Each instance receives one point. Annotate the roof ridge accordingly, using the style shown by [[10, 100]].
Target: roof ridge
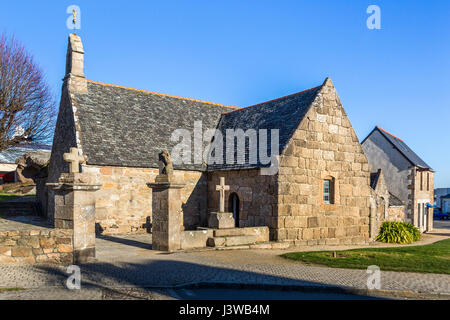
[[389, 133], [163, 94], [283, 97]]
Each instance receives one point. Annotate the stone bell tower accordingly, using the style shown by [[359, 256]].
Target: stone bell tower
[[74, 78]]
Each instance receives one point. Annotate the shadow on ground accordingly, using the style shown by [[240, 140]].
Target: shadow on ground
[[125, 241], [152, 275]]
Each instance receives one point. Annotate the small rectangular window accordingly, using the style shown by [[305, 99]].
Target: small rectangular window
[[421, 180], [428, 181], [327, 191]]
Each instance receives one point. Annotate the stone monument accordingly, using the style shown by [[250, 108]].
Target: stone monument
[[75, 206], [166, 206], [221, 219]]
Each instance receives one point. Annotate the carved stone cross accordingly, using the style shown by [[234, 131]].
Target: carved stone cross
[[74, 158], [222, 188]]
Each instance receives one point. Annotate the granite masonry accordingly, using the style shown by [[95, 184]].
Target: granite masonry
[[323, 190]]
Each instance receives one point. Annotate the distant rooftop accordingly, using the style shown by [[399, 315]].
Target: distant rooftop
[[401, 146], [11, 154]]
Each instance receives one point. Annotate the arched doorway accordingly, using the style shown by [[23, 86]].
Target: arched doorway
[[233, 206]]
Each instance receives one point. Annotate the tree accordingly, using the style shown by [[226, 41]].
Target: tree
[[27, 107]]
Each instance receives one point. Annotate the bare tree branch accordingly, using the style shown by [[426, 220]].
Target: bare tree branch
[[27, 107]]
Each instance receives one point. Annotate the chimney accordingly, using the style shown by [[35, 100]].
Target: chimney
[[74, 77]]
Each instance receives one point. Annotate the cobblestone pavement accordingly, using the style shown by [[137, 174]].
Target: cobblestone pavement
[[127, 262]]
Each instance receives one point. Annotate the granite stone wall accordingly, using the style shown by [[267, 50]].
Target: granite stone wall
[[258, 201], [324, 146], [124, 202], [36, 246], [396, 214]]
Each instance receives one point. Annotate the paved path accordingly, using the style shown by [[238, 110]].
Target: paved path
[[127, 262]]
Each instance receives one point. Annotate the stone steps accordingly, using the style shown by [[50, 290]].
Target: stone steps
[[270, 245], [230, 241], [235, 237]]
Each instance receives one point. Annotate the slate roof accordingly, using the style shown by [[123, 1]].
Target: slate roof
[[284, 114], [129, 127], [394, 201], [11, 154], [401, 146]]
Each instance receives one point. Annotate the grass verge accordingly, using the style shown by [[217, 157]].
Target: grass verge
[[431, 258]]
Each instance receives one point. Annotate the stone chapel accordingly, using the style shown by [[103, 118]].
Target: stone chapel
[[324, 191]]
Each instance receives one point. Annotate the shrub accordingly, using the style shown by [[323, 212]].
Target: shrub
[[414, 231], [398, 232]]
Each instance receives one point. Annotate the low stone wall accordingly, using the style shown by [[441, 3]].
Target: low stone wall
[[396, 214], [195, 239], [36, 246]]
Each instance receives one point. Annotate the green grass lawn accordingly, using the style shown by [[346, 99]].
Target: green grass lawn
[[432, 258]]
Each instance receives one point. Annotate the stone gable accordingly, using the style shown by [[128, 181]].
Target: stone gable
[[324, 146]]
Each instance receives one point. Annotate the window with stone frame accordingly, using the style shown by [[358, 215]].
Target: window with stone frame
[[328, 191]]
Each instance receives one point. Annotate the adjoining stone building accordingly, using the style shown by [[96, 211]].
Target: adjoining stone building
[[408, 178], [320, 194]]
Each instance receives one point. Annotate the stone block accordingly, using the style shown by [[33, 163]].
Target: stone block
[[194, 239], [20, 251], [221, 220], [313, 222], [64, 248], [6, 251], [47, 243]]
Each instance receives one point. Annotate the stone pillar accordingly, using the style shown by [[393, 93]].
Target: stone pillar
[[74, 199], [75, 65], [166, 214]]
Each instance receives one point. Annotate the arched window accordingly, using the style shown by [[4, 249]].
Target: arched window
[[233, 206]]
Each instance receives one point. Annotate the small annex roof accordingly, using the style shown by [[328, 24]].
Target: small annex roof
[[402, 147], [11, 154], [394, 201]]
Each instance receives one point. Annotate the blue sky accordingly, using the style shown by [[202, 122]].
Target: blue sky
[[248, 51]]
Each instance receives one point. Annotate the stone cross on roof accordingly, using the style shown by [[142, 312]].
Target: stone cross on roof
[[74, 158], [74, 14], [222, 188]]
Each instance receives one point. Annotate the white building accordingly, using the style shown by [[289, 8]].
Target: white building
[[438, 194]]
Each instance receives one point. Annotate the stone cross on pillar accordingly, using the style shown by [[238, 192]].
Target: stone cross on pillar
[[222, 188], [74, 158]]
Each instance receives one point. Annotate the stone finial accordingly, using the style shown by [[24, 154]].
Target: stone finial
[[165, 163], [222, 188], [75, 159], [75, 65], [165, 168]]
